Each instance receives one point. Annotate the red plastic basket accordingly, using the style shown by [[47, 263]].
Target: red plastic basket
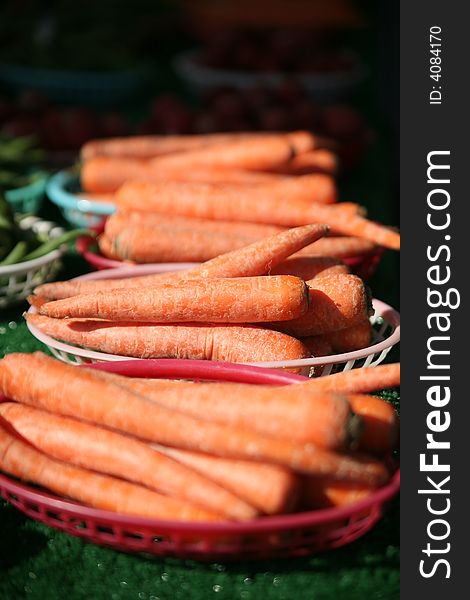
[[268, 537], [364, 266]]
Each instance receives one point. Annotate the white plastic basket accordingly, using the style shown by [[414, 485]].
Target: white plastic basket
[[385, 325], [18, 281]]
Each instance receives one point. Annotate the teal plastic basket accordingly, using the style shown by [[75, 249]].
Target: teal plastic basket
[[62, 190], [28, 198], [78, 87]]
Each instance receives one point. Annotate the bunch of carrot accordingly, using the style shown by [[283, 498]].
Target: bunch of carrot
[[231, 308], [194, 451], [232, 179]]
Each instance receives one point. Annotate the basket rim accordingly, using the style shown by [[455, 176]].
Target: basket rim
[[189, 68], [57, 192], [37, 186], [384, 310], [29, 265], [260, 524]]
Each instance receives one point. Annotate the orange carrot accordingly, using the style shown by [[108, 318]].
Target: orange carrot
[[261, 256], [317, 345], [253, 153], [359, 380], [326, 492], [236, 300], [148, 243], [345, 340], [308, 267], [107, 249], [229, 343], [335, 302], [121, 220], [83, 394], [101, 174], [380, 431], [252, 260], [110, 453], [155, 145], [142, 146], [292, 413], [245, 204], [313, 161], [338, 247], [21, 460], [270, 488]]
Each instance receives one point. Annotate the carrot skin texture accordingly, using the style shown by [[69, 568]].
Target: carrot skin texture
[[149, 146], [336, 302], [359, 381], [222, 202], [272, 489], [121, 220], [308, 267], [21, 460], [236, 300], [255, 259], [325, 492], [338, 247], [111, 453], [83, 394], [290, 413], [229, 343], [348, 339]]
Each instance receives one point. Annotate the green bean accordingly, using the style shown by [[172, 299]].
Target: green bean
[[16, 255], [55, 243]]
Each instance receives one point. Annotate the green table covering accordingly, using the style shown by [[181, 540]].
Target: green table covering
[[40, 563]]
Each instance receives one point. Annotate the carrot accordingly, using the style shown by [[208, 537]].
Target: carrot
[[120, 221], [270, 488], [242, 204], [345, 340], [352, 338], [102, 175], [155, 145], [256, 154], [308, 267], [292, 413], [105, 245], [317, 345], [326, 492], [21, 460], [85, 395], [338, 247], [312, 161], [359, 380], [380, 433], [152, 243], [236, 300], [252, 260], [229, 343], [335, 302], [261, 256], [104, 451], [142, 146]]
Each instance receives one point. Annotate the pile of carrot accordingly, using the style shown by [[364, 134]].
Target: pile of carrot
[[190, 451], [257, 303], [190, 198]]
